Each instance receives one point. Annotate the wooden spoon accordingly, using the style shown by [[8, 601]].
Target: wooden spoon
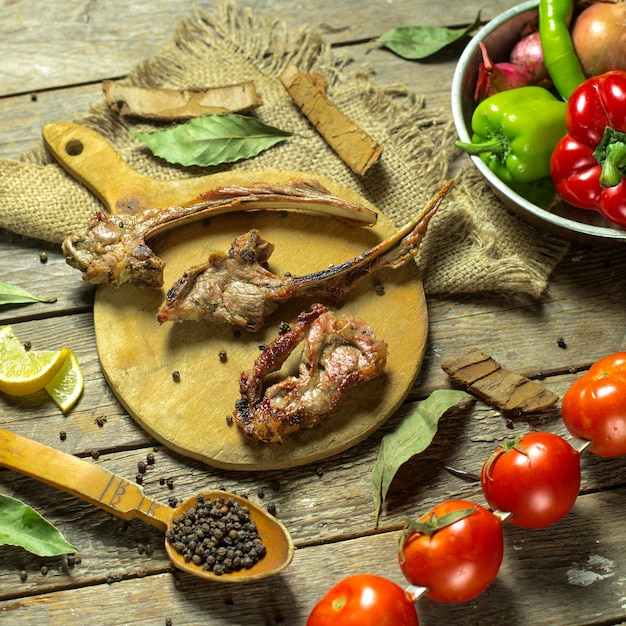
[[127, 500]]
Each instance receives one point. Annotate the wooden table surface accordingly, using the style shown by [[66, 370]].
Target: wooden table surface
[[52, 62]]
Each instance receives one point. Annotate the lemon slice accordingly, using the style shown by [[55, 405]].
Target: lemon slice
[[67, 385], [26, 372]]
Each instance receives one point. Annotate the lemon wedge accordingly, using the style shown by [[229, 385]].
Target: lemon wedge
[[23, 371], [67, 385]]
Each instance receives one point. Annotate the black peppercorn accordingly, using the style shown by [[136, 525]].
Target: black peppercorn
[[217, 535]]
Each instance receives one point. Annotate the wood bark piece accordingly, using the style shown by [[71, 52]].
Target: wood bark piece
[[180, 104], [351, 143], [501, 388]]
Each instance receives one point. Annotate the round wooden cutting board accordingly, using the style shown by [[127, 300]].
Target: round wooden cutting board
[[138, 356]]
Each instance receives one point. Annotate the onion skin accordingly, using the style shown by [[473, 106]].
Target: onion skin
[[528, 55], [496, 77], [599, 38]]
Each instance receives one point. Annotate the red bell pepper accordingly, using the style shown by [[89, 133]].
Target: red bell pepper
[[588, 166]]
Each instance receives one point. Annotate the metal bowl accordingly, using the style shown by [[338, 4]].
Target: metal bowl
[[499, 36]]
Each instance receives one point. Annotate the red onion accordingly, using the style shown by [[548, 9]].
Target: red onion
[[528, 55], [495, 77]]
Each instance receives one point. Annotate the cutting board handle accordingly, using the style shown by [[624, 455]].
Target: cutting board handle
[[90, 159]]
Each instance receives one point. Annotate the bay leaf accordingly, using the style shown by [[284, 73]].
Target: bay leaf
[[413, 435], [419, 42], [212, 139], [12, 294], [21, 525]]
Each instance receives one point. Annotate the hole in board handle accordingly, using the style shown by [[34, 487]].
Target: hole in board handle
[[74, 147]]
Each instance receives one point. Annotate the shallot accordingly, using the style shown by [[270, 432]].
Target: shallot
[[527, 54], [496, 77]]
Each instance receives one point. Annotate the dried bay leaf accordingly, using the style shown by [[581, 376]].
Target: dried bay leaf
[[212, 139], [419, 42], [413, 435], [12, 294], [20, 525]]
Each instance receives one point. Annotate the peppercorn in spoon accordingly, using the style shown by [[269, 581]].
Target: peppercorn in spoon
[[215, 535]]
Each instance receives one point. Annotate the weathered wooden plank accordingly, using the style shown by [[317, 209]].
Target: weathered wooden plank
[[556, 576], [91, 45], [570, 573], [24, 116], [335, 493]]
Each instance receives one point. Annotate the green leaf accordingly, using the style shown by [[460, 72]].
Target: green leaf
[[414, 434], [12, 294], [419, 42], [212, 139], [20, 525]]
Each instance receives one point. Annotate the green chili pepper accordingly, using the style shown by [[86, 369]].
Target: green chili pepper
[[559, 55], [515, 131]]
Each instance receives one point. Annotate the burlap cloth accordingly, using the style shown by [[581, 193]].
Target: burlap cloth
[[473, 244]]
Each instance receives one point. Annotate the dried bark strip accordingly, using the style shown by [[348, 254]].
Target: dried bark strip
[[351, 143], [501, 388], [180, 104]]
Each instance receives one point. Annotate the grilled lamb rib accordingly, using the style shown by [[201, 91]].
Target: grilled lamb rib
[[235, 287], [340, 352], [113, 249]]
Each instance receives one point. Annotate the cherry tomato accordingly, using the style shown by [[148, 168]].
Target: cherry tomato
[[455, 551], [364, 600], [536, 478], [594, 407]]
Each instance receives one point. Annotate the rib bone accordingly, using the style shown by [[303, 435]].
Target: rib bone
[[113, 249], [235, 287]]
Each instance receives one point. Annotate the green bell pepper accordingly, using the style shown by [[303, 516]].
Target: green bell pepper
[[515, 132]]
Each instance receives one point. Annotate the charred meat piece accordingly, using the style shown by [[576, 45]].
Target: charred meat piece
[[235, 287], [340, 352], [113, 249]]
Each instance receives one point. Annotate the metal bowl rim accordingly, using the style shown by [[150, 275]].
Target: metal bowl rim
[[472, 47]]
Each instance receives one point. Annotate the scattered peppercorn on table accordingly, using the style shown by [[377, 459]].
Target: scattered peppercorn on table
[[52, 64]]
